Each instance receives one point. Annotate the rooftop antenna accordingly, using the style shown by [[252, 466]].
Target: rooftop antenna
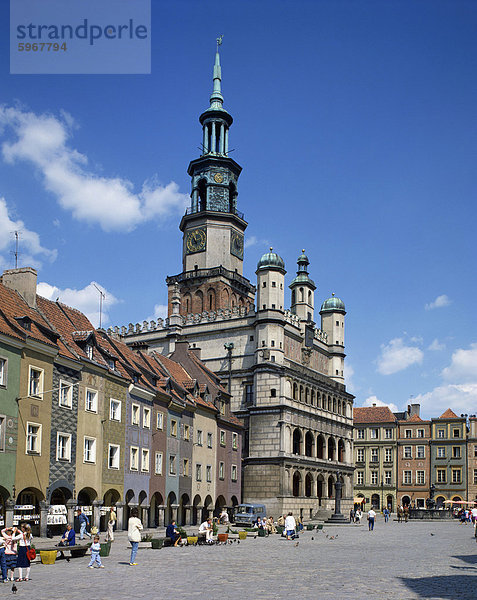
[[16, 253], [102, 296]]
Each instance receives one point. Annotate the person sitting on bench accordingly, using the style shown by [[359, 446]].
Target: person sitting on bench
[[206, 529], [68, 539], [173, 534]]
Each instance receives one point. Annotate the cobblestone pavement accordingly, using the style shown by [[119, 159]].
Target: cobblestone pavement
[[397, 561]]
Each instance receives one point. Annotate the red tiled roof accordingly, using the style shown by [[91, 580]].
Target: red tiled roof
[[449, 414], [373, 414], [415, 419]]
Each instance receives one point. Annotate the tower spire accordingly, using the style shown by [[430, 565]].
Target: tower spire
[[216, 99]]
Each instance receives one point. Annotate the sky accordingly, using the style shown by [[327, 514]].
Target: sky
[[355, 125]]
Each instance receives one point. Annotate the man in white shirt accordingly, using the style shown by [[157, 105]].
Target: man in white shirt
[[290, 526], [371, 518], [206, 527]]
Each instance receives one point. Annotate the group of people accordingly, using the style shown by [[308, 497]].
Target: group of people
[[355, 516], [14, 551], [402, 513]]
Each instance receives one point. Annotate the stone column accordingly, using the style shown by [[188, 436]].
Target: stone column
[[161, 508], [206, 136], [188, 515], [70, 511], [174, 508], [44, 506], [226, 148], [213, 138], [97, 504], [120, 516], [9, 504], [221, 139], [144, 514], [199, 508]]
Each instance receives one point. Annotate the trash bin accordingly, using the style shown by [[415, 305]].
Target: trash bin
[[105, 549], [48, 557]]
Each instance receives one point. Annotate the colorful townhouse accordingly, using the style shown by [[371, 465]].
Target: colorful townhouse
[[413, 462], [472, 459]]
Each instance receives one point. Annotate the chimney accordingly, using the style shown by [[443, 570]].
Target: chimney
[[22, 281], [180, 350], [414, 409], [195, 351], [374, 404]]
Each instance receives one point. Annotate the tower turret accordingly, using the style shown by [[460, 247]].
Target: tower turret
[[303, 288], [332, 322]]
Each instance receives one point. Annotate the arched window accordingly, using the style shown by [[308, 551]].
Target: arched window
[[302, 294], [232, 197], [334, 405], [293, 297], [320, 445], [341, 451], [199, 301], [301, 393], [308, 485], [211, 299], [309, 298], [313, 397], [187, 303], [296, 483], [225, 298], [307, 396], [331, 449], [202, 189], [296, 441], [295, 391], [318, 400], [309, 444]]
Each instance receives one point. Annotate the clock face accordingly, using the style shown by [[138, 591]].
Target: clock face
[[236, 244], [218, 178], [196, 240]]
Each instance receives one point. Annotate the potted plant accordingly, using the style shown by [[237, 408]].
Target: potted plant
[[242, 535], [222, 537], [156, 543]]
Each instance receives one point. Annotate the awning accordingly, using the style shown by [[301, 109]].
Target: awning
[[358, 500]]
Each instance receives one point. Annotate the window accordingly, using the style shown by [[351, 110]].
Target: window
[[441, 433], [420, 477], [274, 284], [91, 401], [33, 441], [134, 459], [172, 465], [407, 477], [249, 393], [66, 394], [420, 433], [234, 441], [475, 451], [441, 475], [174, 427], [209, 440], [455, 451], [359, 478], [3, 371], [114, 451], [456, 433], [421, 452], [407, 452], [387, 477], [114, 410], [185, 467], [408, 433], [186, 433], [388, 455], [89, 450], [199, 437], [374, 478], [36, 382], [208, 473], [221, 470], [360, 455], [388, 433], [234, 473], [145, 460], [222, 438], [146, 418], [456, 476], [63, 446], [135, 411], [160, 420], [89, 351], [441, 452], [475, 476], [374, 455], [360, 434], [2, 433], [374, 434], [198, 472], [158, 463]]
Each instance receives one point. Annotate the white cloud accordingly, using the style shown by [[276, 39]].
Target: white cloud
[[375, 400], [439, 302], [397, 356], [160, 312], [348, 375], [30, 249], [461, 398], [463, 367], [43, 140], [436, 345], [86, 300]]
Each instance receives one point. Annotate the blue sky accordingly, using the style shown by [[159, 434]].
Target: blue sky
[[355, 126]]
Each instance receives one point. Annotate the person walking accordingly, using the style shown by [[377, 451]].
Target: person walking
[[386, 515], [371, 518], [134, 535], [84, 523], [95, 550], [290, 526], [399, 513], [111, 521], [406, 513]]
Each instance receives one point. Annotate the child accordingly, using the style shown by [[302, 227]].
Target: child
[[95, 548], [10, 535], [24, 544]]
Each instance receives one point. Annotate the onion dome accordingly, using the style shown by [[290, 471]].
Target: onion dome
[[271, 260], [333, 304]]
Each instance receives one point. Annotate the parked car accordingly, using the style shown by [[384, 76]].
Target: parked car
[[247, 514]]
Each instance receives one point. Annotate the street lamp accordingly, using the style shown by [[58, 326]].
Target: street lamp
[[382, 494]]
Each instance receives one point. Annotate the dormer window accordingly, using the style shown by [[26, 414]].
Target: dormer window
[[112, 365], [89, 351]]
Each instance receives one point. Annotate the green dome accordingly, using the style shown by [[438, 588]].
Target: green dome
[[270, 260], [332, 304]]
